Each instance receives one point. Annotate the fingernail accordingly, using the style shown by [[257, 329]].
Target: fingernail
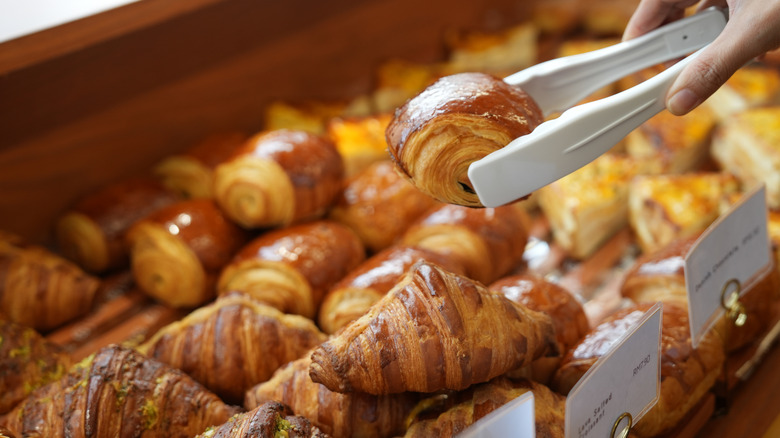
[[682, 102]]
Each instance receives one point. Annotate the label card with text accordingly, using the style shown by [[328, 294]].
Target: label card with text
[[625, 379], [516, 419], [737, 247]]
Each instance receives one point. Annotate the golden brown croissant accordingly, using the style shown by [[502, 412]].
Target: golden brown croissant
[[448, 414], [92, 232], [379, 205], [292, 268], [565, 310], [233, 344], [686, 373], [27, 361], [461, 118], [191, 174], [117, 392], [434, 330], [178, 251], [40, 289], [341, 415], [269, 420], [279, 177], [351, 297], [659, 277], [487, 242]]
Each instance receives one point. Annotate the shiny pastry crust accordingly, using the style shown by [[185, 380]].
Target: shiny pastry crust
[[92, 232], [351, 297], [446, 415], [487, 242], [664, 208], [379, 205], [177, 252], [459, 119], [341, 415], [671, 143], [659, 277], [117, 392], [434, 330], [271, 419], [38, 288], [565, 310], [279, 177], [27, 362], [191, 174], [233, 344], [748, 145], [587, 207], [292, 268], [686, 373]]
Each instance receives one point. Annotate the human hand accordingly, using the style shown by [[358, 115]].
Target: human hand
[[753, 29]]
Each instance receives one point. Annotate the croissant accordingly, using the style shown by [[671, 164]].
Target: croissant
[[178, 251], [434, 330], [271, 419], [292, 268], [340, 415], [565, 310], [351, 297], [448, 414], [435, 136], [118, 393], [379, 205], [487, 242], [92, 232], [27, 361], [686, 373], [191, 174], [659, 276], [278, 177], [40, 289], [233, 344]]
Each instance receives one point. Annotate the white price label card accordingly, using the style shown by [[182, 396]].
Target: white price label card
[[516, 419], [735, 247], [623, 381]]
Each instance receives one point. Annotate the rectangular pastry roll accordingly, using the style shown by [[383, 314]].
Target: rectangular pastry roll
[[748, 145], [587, 207], [673, 144], [752, 86], [663, 208]]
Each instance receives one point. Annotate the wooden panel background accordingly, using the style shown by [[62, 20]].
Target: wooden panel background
[[94, 114]]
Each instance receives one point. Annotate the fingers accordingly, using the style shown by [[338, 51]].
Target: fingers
[[652, 13], [746, 36]]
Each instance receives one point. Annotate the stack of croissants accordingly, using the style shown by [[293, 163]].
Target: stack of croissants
[[321, 303]]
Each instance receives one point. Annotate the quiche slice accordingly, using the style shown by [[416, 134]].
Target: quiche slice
[[664, 208], [587, 207], [751, 86], [748, 145], [673, 144]]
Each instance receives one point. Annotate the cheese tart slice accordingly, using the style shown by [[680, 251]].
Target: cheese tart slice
[[663, 208], [748, 145]]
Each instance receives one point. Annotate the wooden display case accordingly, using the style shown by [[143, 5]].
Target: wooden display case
[[104, 98]]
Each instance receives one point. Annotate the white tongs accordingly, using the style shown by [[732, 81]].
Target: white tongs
[[580, 134]]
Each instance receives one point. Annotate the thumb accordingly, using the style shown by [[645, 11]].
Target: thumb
[[733, 48]]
